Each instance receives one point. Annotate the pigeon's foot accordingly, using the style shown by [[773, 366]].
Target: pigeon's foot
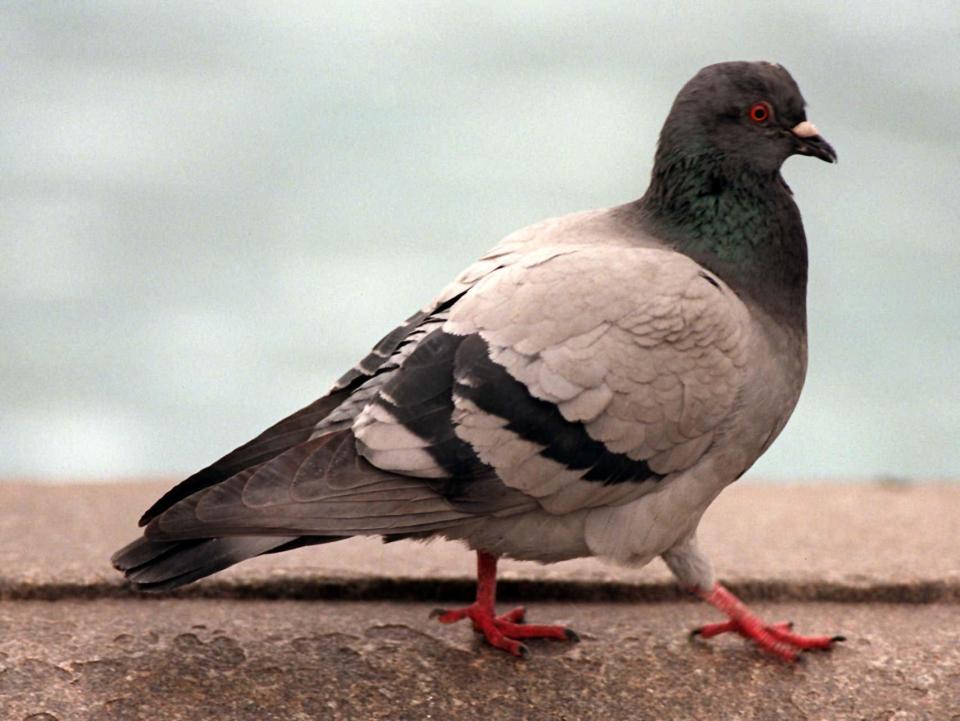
[[777, 638], [504, 631]]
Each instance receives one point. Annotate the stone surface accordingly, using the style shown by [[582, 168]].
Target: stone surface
[[91, 653], [223, 661], [856, 534]]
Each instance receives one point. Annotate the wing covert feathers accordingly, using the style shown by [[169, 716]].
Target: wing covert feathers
[[632, 343]]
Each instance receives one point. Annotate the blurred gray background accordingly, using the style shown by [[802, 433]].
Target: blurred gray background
[[210, 210]]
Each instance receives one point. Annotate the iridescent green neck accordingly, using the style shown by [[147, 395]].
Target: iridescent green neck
[[741, 225]]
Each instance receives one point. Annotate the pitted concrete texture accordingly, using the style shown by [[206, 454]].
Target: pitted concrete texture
[[856, 534], [285, 660]]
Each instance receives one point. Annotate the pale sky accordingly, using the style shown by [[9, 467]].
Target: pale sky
[[208, 211]]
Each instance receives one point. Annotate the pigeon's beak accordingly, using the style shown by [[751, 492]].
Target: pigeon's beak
[[809, 142]]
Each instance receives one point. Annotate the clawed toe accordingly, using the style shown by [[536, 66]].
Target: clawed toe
[[517, 615], [506, 630], [776, 638]]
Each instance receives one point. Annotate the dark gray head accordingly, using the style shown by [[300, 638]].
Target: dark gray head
[[749, 113]]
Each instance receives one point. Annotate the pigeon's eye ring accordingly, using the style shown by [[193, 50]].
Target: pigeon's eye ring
[[760, 112]]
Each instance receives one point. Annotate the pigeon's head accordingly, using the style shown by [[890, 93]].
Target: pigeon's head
[[749, 113]]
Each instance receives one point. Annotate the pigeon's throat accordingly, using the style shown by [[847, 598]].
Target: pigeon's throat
[[742, 225]]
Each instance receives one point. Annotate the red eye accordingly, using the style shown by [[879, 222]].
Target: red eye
[[760, 112]]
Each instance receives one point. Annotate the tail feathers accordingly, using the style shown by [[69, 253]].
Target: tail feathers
[[165, 565]]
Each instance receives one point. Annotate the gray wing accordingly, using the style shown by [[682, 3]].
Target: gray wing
[[571, 378], [325, 486], [582, 376], [320, 487], [270, 452]]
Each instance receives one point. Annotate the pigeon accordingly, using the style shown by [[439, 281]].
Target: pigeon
[[586, 388]]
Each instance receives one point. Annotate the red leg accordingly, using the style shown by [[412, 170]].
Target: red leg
[[501, 631], [776, 638]]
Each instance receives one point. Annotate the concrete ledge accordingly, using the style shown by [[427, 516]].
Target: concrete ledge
[[280, 660], [816, 542], [76, 643]]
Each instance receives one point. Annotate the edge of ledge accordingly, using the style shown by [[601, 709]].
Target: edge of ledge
[[303, 588]]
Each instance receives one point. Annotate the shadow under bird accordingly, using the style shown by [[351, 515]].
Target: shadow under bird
[[586, 388]]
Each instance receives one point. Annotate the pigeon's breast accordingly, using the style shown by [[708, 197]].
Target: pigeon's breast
[[771, 388], [636, 532]]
